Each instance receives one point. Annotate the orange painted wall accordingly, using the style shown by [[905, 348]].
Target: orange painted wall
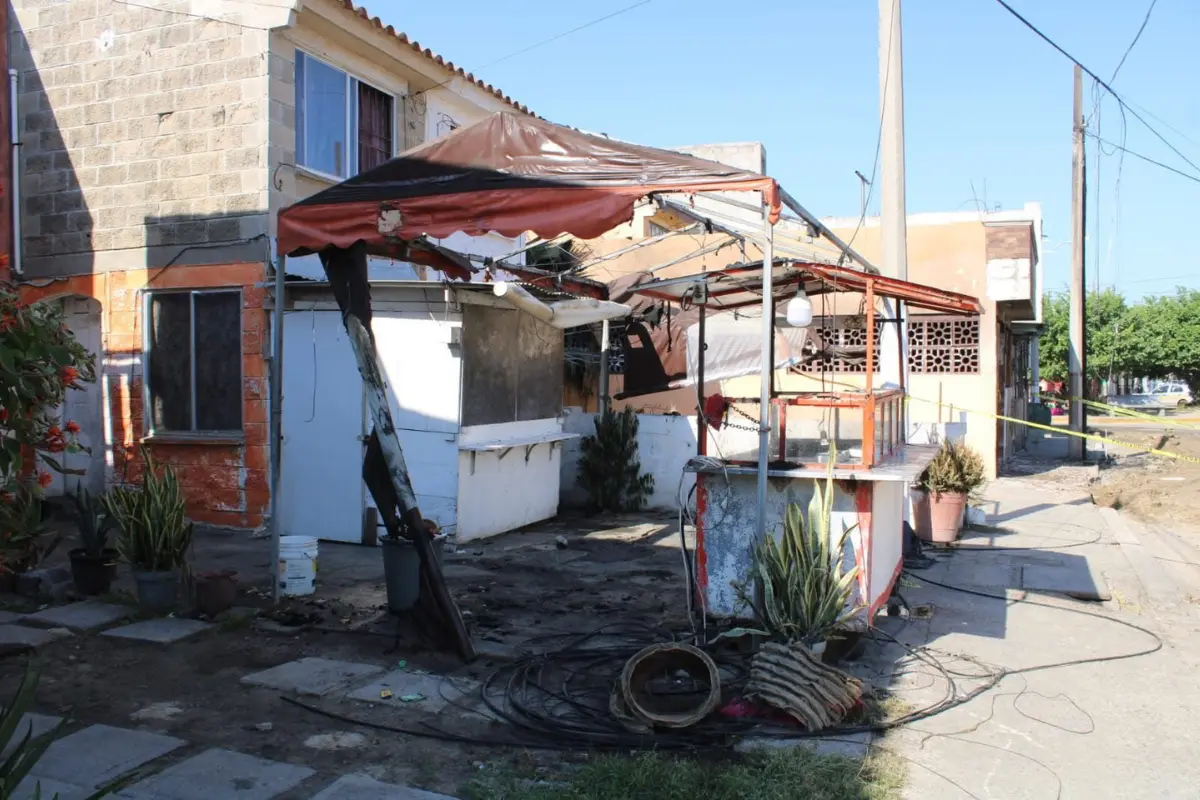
[[225, 482]]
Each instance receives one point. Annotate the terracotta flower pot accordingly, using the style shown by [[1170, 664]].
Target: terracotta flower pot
[[216, 591], [946, 515]]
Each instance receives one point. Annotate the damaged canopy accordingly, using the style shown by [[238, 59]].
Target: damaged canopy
[[507, 174]]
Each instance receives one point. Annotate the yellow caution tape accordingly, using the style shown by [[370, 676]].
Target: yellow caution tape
[[1129, 412], [1067, 432]]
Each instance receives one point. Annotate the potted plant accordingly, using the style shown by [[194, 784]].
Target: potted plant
[[215, 591], [155, 534], [94, 564], [953, 474], [805, 588]]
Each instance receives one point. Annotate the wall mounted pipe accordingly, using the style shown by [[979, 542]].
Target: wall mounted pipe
[[14, 129]]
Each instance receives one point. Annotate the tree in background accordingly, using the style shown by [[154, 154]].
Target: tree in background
[[1157, 337], [1104, 310], [1160, 337]]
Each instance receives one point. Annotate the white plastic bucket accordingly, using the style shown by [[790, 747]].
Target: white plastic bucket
[[297, 565]]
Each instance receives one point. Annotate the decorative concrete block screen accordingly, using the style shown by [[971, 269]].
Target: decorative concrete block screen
[[936, 344]]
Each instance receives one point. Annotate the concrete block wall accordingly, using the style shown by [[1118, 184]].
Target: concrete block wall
[[143, 131], [311, 34]]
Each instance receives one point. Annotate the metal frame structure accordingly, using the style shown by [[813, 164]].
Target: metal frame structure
[[737, 286]]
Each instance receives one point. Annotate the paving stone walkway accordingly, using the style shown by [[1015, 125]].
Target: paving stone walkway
[[42, 627], [80, 763]]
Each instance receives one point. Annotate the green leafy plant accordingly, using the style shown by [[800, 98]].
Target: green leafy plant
[[155, 534], [24, 752], [609, 468], [955, 469], [40, 359], [93, 521], [25, 540], [804, 586]]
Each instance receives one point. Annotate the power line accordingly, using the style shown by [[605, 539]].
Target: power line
[[1098, 79], [1136, 36], [545, 42], [1147, 159]]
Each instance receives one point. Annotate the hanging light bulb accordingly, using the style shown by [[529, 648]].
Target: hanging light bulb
[[799, 310]]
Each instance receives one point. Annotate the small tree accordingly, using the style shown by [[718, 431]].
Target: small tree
[[609, 468], [39, 361]]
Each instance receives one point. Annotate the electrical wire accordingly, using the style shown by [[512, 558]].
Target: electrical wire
[[1126, 151], [545, 42], [1120, 100], [1132, 44], [887, 75]]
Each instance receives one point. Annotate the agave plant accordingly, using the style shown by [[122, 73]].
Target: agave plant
[[26, 750], [21, 754], [93, 520], [155, 534], [805, 589]]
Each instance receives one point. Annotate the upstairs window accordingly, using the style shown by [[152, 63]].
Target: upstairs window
[[343, 126]]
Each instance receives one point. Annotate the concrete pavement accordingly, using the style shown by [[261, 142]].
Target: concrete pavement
[[1121, 726]]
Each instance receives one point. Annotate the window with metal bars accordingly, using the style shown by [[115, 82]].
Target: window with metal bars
[[193, 353]]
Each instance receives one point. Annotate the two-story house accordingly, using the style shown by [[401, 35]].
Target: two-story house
[[158, 141]]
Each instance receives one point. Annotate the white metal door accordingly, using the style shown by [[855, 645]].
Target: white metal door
[[82, 406], [422, 370], [322, 492]]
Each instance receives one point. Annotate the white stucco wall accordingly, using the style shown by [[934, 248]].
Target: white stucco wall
[[500, 491]]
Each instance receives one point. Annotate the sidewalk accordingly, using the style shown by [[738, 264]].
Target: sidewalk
[[1121, 727]]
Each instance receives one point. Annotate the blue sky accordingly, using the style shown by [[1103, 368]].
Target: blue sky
[[986, 101]]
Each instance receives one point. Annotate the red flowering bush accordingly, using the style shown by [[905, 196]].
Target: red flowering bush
[[39, 361]]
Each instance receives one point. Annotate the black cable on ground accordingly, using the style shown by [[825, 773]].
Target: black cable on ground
[[559, 700], [1158, 642]]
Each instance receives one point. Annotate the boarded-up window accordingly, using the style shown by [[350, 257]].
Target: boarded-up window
[[194, 355], [512, 367]]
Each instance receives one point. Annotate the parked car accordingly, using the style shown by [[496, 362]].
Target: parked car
[[1162, 395]]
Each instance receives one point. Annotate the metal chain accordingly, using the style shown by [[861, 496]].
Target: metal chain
[[741, 413]]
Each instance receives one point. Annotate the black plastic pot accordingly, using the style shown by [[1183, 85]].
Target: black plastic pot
[[93, 574], [402, 571], [157, 591]]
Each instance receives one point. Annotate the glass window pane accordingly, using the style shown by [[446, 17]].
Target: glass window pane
[[219, 361], [324, 118], [170, 369]]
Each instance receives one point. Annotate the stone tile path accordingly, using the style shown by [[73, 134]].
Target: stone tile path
[[79, 617], [163, 631], [78, 764], [313, 676]]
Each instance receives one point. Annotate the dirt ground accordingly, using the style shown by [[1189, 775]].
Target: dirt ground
[[1155, 489], [516, 592]]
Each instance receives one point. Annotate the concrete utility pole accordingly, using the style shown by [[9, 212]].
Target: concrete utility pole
[[892, 218], [1076, 352]]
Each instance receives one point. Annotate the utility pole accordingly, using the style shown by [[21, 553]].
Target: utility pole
[[1076, 352], [893, 217]]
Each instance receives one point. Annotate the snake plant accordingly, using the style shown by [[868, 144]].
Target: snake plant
[[804, 588], [155, 533]]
